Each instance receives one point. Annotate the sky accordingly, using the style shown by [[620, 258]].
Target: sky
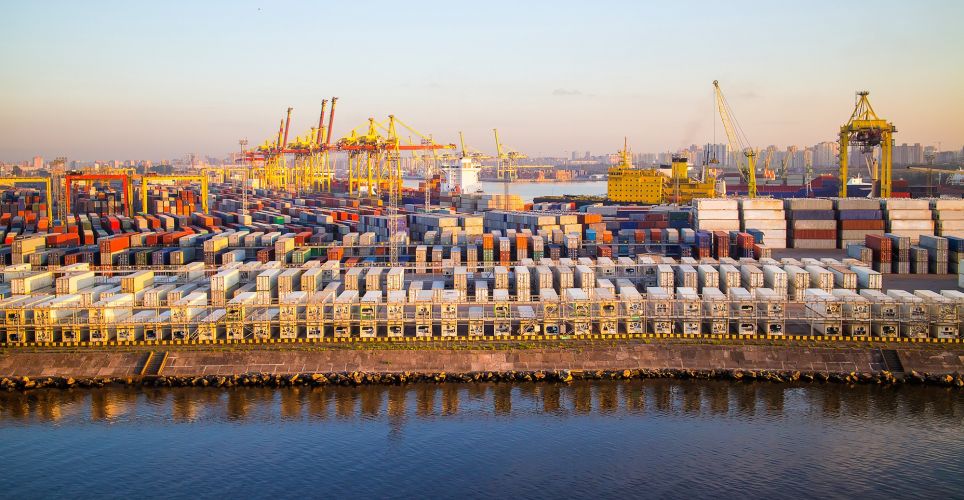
[[153, 80]]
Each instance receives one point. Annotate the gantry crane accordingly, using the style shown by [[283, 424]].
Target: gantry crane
[[365, 153], [202, 178], [430, 160], [506, 167], [382, 156], [124, 178], [48, 194], [867, 131], [311, 167], [737, 140]]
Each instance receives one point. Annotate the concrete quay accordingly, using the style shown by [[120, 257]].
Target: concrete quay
[[699, 357]]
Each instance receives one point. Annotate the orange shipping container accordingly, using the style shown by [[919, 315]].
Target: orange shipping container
[[488, 241]]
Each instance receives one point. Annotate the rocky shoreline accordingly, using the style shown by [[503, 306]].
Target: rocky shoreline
[[955, 380]]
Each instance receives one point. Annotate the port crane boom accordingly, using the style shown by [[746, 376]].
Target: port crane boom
[[506, 167], [737, 140]]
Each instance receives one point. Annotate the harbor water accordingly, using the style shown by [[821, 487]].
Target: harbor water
[[529, 190], [638, 438]]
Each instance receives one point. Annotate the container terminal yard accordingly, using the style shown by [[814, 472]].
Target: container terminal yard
[[285, 247]]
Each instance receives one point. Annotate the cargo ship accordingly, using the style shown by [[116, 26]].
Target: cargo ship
[[826, 185]]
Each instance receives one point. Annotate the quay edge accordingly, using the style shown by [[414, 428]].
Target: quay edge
[[886, 364]]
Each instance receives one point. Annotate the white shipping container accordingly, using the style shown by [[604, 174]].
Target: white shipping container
[[686, 276], [820, 278], [774, 277], [542, 275], [189, 307], [501, 277], [709, 277], [267, 281], [59, 309], [225, 280], [31, 283], [71, 283], [155, 297], [821, 304], [843, 277], [730, 277], [182, 290], [761, 204], [311, 280], [395, 278], [867, 277], [853, 306], [741, 302], [665, 277], [373, 279], [522, 281], [192, 271], [135, 282], [751, 276], [563, 277], [289, 281], [941, 308], [113, 309]]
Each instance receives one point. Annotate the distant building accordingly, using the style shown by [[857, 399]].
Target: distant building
[[718, 152], [38, 162], [908, 154], [826, 154], [945, 157]]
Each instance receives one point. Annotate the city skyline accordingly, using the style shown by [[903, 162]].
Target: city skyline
[[157, 81]]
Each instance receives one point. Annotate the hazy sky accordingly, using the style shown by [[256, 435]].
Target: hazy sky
[[133, 80]]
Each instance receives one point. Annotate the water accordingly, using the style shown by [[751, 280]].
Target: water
[[655, 438], [529, 190]]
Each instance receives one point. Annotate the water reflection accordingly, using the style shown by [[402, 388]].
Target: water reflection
[[424, 401]]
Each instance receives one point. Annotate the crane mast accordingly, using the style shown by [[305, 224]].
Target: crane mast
[[867, 131], [506, 167], [737, 140]]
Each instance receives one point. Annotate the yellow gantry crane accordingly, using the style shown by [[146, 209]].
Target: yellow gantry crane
[[202, 179], [506, 166], [48, 194], [737, 140], [867, 131]]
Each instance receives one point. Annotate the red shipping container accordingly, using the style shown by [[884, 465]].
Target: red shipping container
[[814, 234], [265, 255], [878, 242], [861, 224], [115, 244], [302, 238]]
